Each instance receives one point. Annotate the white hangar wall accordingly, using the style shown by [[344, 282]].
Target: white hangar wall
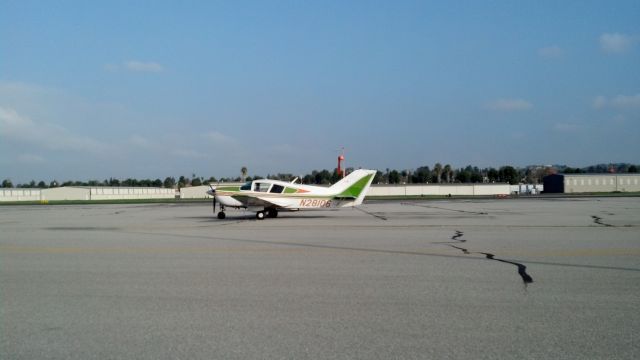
[[127, 193], [65, 193], [195, 192], [86, 193], [440, 190], [20, 194], [199, 192], [578, 183]]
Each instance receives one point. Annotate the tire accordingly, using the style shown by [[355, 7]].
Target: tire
[[260, 215], [221, 215], [272, 213]]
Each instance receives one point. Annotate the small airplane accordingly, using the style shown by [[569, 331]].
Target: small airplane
[[267, 197]]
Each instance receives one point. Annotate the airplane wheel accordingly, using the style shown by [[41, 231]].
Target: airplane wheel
[[221, 215], [272, 213], [260, 215]]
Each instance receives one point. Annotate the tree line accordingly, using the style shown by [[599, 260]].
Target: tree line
[[438, 174], [620, 168]]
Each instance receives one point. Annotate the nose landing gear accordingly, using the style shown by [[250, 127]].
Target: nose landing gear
[[221, 214]]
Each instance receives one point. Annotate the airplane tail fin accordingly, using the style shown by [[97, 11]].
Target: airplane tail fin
[[354, 187]]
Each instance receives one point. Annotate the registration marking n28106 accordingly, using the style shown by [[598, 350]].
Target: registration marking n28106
[[318, 203]]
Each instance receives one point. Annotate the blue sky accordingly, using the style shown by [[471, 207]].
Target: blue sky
[[93, 90]]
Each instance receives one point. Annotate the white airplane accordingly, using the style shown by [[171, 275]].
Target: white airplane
[[267, 197]]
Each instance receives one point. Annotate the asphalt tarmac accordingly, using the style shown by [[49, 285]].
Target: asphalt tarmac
[[461, 279]]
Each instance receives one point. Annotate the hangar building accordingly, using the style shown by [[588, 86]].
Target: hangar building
[[586, 183]]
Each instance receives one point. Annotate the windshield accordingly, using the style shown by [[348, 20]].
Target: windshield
[[246, 186]]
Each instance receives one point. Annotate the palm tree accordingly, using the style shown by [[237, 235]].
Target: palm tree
[[244, 173], [437, 168], [447, 172]]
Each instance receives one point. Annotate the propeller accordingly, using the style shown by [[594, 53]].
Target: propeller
[[213, 193]]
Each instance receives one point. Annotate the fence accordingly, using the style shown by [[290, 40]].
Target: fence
[[199, 192]]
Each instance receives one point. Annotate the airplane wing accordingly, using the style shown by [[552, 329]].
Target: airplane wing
[[281, 203], [260, 201]]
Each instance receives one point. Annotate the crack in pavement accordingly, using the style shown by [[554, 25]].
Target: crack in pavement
[[598, 220], [456, 239], [365, 250], [457, 236], [372, 214], [441, 208], [522, 270]]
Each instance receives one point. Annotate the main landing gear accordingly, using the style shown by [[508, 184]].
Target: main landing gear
[[272, 213], [221, 214], [260, 215]]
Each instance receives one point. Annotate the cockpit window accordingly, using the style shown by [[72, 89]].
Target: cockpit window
[[261, 187], [276, 189], [246, 186]]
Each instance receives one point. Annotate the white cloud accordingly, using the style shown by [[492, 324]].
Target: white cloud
[[9, 88], [188, 153], [599, 102], [219, 138], [617, 102], [509, 105], [140, 141], [10, 119], [551, 52], [134, 65], [30, 159], [22, 129], [626, 101], [615, 43]]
